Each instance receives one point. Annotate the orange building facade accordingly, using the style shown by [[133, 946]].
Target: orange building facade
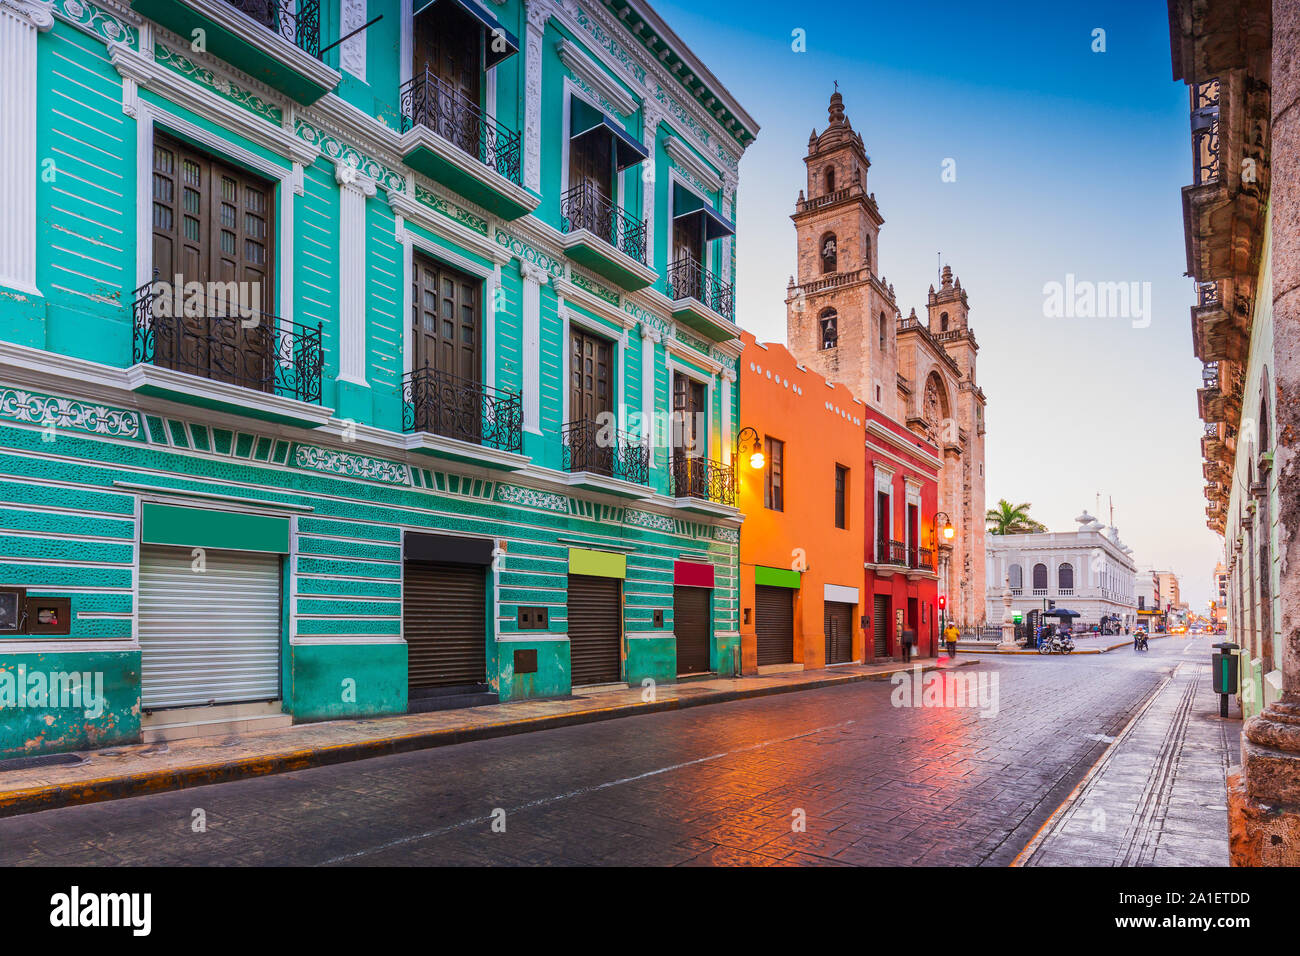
[[837, 550], [802, 543]]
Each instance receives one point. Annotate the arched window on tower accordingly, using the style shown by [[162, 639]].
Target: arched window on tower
[[828, 322], [830, 179], [866, 252], [1065, 579], [943, 321], [883, 330], [829, 253]]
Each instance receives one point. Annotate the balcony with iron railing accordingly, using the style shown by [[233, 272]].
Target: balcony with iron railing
[[597, 450], [891, 553], [701, 299], [702, 479], [437, 403], [447, 136], [604, 237], [278, 42], [208, 348], [1205, 132]]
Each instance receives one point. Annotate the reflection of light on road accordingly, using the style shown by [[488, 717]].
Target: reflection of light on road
[[582, 791]]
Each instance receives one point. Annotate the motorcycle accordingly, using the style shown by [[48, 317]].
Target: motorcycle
[[1056, 643], [1140, 641]]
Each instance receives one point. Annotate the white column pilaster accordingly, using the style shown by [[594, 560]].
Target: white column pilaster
[[354, 190], [538, 14], [652, 119], [728, 378], [533, 278], [20, 22], [649, 339]]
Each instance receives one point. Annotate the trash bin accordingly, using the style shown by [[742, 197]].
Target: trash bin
[[1226, 673]]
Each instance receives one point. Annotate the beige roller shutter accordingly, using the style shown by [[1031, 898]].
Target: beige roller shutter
[[211, 636]]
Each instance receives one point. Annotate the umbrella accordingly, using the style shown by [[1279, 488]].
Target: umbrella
[[1061, 612]]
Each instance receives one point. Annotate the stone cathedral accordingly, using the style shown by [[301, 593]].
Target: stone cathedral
[[843, 322]]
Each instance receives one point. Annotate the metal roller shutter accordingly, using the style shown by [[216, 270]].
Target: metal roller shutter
[[444, 620], [210, 636], [595, 629], [880, 621], [774, 624], [839, 632], [691, 628]]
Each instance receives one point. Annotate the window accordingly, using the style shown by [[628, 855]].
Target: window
[[830, 179], [866, 251], [1040, 577], [828, 322], [943, 321], [774, 485], [1065, 578], [841, 493], [882, 330], [1016, 575], [829, 254]]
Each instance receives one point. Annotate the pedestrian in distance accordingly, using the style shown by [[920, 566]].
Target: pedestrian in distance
[[950, 635]]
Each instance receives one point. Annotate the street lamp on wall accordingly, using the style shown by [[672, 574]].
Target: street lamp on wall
[[948, 530], [749, 436]]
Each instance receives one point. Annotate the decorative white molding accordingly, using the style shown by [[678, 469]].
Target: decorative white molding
[[533, 279], [354, 190], [20, 22], [538, 15], [594, 75], [684, 156], [352, 52]]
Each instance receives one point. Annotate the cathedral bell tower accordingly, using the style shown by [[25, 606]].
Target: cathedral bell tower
[[840, 315]]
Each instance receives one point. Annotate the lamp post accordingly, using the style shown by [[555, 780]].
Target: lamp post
[[948, 532], [748, 435]]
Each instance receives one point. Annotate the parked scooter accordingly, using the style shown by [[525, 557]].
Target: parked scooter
[[1058, 642]]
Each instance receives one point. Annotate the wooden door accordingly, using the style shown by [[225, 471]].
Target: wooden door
[[591, 372], [446, 325], [448, 45], [591, 160], [213, 223]]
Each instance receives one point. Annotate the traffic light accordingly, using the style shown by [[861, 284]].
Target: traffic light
[[943, 601]]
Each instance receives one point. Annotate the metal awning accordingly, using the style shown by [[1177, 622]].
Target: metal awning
[[587, 120], [687, 204], [499, 43]]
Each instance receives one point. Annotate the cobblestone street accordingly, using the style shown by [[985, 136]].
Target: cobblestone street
[[725, 784]]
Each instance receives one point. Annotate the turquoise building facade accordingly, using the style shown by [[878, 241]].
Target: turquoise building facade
[[350, 378]]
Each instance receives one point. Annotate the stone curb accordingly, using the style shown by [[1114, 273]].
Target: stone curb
[[54, 796]]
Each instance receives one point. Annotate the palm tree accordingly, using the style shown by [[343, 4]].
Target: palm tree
[[1007, 518]]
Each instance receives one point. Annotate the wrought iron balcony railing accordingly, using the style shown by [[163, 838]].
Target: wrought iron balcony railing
[[688, 279], [593, 447], [1205, 132], [427, 101], [924, 559], [298, 21], [891, 552], [1210, 375], [703, 478], [443, 404], [211, 335], [584, 207]]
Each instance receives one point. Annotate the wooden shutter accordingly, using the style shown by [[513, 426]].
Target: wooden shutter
[[774, 624], [592, 377], [774, 484], [446, 319], [691, 628], [880, 622], [595, 629], [444, 620]]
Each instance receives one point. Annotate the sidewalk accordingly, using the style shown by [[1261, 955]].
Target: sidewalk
[[1158, 795], [119, 772]]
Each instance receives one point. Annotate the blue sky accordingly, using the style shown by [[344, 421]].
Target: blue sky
[[1068, 162]]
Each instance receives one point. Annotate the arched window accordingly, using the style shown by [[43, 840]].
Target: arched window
[[830, 179], [1040, 577], [828, 323], [1264, 437], [829, 253], [882, 330], [866, 252], [1065, 578], [1017, 576], [943, 321]]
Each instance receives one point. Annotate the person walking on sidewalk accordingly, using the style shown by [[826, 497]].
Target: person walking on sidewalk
[[950, 634]]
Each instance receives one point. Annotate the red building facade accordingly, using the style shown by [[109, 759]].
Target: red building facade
[[904, 539]]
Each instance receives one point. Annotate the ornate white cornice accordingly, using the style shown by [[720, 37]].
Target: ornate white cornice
[[533, 273], [39, 14], [348, 178], [594, 75], [684, 156]]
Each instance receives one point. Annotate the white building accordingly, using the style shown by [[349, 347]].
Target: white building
[[1088, 570]]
